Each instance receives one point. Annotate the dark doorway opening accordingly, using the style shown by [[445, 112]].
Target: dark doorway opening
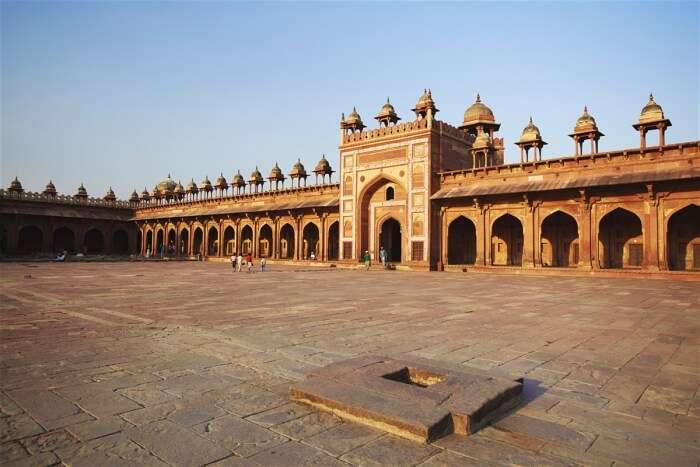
[[390, 239]]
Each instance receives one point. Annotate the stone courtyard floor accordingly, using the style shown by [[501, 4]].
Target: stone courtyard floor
[[190, 364]]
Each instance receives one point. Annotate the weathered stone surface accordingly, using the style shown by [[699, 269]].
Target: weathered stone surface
[[175, 444], [239, 436], [343, 438], [308, 425], [390, 450], [196, 329], [17, 427]]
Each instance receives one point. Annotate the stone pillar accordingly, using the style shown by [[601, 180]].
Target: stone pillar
[[442, 235], [585, 243], [321, 253], [486, 219], [662, 135], [576, 143], [528, 237], [256, 236], [651, 235], [642, 138], [238, 236], [298, 238]]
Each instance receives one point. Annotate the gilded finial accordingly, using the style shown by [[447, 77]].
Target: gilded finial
[[478, 97], [530, 119], [651, 97]]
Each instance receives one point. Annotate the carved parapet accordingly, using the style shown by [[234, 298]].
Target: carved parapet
[[30, 196], [392, 130]]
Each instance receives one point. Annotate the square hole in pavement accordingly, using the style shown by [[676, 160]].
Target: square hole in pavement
[[415, 377]]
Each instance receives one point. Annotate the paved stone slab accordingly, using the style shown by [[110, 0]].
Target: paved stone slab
[[414, 399], [616, 360]]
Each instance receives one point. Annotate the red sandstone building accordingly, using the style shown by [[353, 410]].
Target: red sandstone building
[[434, 195]]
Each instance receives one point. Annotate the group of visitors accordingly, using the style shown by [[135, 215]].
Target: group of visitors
[[383, 257], [237, 261]]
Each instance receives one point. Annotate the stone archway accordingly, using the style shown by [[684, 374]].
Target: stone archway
[[461, 241], [63, 239], [247, 240], [94, 242], [229, 241], [621, 241], [184, 242], [559, 246], [390, 238], [310, 239], [120, 242], [333, 250], [198, 241], [160, 243], [683, 239], [213, 241], [374, 205], [265, 241], [287, 242], [172, 242], [149, 243], [29, 240], [507, 241]]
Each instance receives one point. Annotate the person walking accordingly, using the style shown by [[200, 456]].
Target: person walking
[[367, 259], [239, 262], [382, 256], [263, 263], [233, 262], [249, 262]]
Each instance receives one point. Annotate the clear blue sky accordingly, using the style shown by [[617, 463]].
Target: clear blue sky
[[121, 93]]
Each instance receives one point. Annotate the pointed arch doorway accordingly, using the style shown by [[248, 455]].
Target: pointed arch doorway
[[390, 239]]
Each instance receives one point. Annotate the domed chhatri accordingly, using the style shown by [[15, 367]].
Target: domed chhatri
[[179, 190], [586, 128], [425, 104], [81, 193], [110, 196], [134, 198], [238, 182], [482, 141], [205, 185], [478, 115], [298, 172], [652, 118], [15, 186], [221, 183], [192, 187], [50, 190], [353, 122], [156, 194], [145, 195], [276, 176], [585, 122], [256, 179], [387, 114], [530, 138], [166, 187], [323, 168]]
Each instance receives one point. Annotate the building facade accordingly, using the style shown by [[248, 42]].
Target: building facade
[[435, 196]]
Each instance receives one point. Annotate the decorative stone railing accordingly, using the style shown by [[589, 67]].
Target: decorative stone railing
[[385, 131], [610, 158], [219, 196], [63, 199]]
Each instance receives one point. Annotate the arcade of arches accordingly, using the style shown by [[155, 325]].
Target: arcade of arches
[[274, 238], [614, 239], [42, 238]]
